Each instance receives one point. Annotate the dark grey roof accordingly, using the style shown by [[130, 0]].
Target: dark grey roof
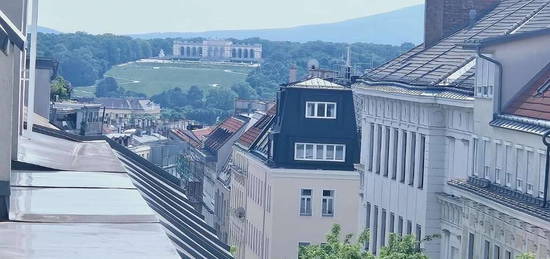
[[519, 124], [473, 44], [432, 66], [185, 226], [513, 199]]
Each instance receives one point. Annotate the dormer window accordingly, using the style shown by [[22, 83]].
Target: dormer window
[[320, 152], [321, 110]]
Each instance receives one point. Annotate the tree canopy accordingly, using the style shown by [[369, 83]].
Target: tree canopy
[[398, 247], [60, 89]]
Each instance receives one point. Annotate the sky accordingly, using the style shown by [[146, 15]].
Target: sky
[[145, 16]]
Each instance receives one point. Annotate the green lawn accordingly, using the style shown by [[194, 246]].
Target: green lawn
[[83, 91], [152, 78]]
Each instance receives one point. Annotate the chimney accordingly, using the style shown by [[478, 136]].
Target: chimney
[[445, 17], [293, 74]]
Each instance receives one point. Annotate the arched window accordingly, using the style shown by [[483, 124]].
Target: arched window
[[200, 52], [240, 53], [188, 52], [234, 53], [245, 53], [182, 51], [252, 53], [194, 52]]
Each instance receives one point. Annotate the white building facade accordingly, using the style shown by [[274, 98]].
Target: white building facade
[[217, 50], [434, 157]]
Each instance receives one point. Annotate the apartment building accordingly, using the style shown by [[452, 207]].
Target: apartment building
[[422, 114], [71, 196], [292, 172]]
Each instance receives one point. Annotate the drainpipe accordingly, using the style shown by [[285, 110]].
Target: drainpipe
[[545, 140], [497, 90]]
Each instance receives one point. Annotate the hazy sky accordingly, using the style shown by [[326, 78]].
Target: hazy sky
[[139, 16]]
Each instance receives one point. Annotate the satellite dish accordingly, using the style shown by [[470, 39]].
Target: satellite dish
[[313, 64]]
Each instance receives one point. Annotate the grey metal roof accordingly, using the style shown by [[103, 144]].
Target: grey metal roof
[[510, 198], [70, 204], [506, 122], [433, 92], [315, 83], [432, 66]]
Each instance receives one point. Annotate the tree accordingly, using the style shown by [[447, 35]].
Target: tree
[[526, 256], [244, 91], [108, 87], [60, 89], [195, 95], [221, 98], [406, 247]]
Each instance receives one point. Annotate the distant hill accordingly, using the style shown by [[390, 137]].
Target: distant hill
[[43, 29], [396, 27]]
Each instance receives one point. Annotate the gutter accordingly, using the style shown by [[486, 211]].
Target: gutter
[[498, 90]]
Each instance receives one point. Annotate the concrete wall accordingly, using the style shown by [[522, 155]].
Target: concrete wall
[[10, 67]]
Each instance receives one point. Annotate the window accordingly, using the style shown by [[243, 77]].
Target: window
[[305, 202], [328, 203], [418, 235], [413, 158], [530, 188], [404, 156], [508, 179], [422, 161], [321, 110], [392, 222], [367, 224], [383, 229], [400, 226], [508, 255], [471, 246], [496, 252], [375, 231], [519, 185], [486, 250], [409, 227], [497, 175], [301, 245], [320, 152]]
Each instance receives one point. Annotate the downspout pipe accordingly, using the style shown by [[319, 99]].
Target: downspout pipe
[[497, 90], [545, 140]]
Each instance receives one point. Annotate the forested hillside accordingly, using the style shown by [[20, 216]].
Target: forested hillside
[[84, 59]]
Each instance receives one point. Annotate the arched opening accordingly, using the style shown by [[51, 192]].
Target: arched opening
[[245, 53], [240, 53], [188, 51], [233, 53], [194, 52], [252, 53], [200, 52], [182, 51]]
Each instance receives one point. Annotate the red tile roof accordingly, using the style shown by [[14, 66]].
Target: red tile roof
[[187, 136], [250, 136], [222, 133], [534, 101]]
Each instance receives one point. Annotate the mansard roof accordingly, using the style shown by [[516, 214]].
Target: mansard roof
[[447, 65], [155, 216], [316, 83]]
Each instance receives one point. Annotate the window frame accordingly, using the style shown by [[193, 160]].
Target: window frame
[[327, 199], [306, 197], [314, 156], [316, 106]]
